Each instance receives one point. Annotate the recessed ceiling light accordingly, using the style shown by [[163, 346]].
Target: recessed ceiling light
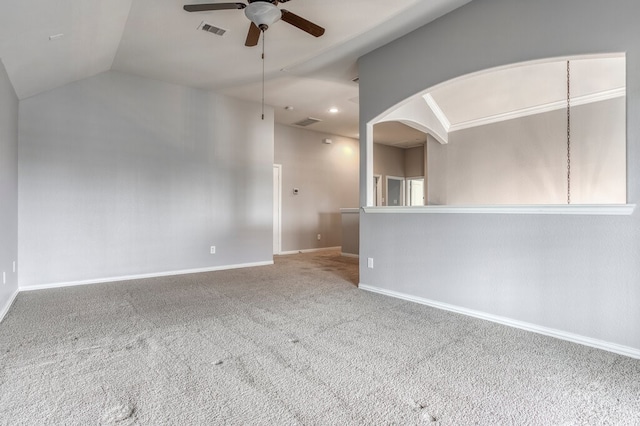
[[333, 110]]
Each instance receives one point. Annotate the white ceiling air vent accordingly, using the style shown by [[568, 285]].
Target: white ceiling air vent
[[205, 26], [307, 122]]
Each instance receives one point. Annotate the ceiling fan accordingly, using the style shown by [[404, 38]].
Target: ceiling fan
[[261, 13]]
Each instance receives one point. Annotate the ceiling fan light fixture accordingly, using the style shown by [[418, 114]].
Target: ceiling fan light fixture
[[263, 14]]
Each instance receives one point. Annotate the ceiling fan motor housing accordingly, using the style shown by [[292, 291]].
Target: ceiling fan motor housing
[[263, 13]]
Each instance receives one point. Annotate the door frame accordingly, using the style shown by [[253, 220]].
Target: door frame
[[277, 202], [407, 189], [402, 185], [378, 190]]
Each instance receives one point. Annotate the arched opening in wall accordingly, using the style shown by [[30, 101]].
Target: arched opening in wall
[[399, 164], [536, 133]]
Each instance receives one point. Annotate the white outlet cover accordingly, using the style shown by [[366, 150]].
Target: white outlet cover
[[213, 250], [370, 262]]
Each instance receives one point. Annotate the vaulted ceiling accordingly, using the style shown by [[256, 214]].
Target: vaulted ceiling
[[45, 44]]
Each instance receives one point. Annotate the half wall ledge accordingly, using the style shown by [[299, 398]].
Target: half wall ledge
[[553, 209]]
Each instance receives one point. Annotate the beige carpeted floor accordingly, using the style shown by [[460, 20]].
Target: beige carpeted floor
[[294, 343]]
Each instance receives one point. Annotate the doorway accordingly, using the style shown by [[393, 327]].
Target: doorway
[[415, 191], [395, 191], [277, 208]]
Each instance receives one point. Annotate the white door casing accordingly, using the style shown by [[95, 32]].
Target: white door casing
[[277, 209]]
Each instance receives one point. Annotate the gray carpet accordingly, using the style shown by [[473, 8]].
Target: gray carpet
[[294, 343]]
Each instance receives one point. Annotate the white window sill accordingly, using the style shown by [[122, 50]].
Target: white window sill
[[574, 209]]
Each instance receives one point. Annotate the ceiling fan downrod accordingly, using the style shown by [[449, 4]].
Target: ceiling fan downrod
[[568, 132], [263, 37]]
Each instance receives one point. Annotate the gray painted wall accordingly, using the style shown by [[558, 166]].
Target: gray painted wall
[[351, 233], [388, 160], [575, 274], [121, 176], [327, 177], [8, 187], [436, 182], [523, 161], [414, 161]]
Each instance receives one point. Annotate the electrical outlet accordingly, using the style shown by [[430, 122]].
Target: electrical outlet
[[14, 266], [370, 262], [4, 277], [319, 237], [213, 250]]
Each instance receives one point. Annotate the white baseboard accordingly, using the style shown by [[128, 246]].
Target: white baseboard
[[357, 256], [142, 276], [310, 250], [7, 306], [559, 334]]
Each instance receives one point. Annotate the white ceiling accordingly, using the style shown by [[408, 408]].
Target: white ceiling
[[158, 39], [398, 134], [92, 32]]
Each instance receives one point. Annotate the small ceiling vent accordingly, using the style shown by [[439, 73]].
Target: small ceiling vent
[[204, 26], [307, 122]]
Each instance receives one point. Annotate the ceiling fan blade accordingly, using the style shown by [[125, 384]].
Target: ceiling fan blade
[[213, 6], [303, 24], [253, 36]]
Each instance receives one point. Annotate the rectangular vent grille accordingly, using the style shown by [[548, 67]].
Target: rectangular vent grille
[[211, 29], [307, 122]]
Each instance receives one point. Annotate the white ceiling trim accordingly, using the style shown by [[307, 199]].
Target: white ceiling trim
[[538, 109], [404, 144], [437, 111]]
